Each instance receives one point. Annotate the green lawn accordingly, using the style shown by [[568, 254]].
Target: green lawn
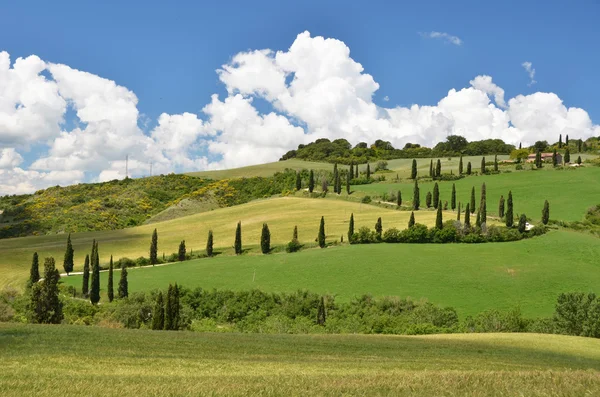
[[570, 192], [471, 278], [61, 361]]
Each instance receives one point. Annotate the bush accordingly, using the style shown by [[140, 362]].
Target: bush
[[496, 321], [125, 262], [293, 246], [416, 234], [141, 261], [392, 235], [445, 235], [366, 200], [364, 236]]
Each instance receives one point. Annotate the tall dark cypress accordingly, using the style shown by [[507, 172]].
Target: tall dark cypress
[[538, 159], [546, 213], [154, 248], [467, 216], [436, 195], [496, 163], [209, 244], [95, 283], [378, 228], [368, 171], [265, 239], [413, 170], [458, 212], [351, 172], [509, 211], [439, 224], [472, 206], [336, 176], [411, 221], [45, 304], [560, 140], [351, 228], [567, 140], [483, 170], [181, 252], [68, 261], [460, 166], [321, 315], [501, 207], [483, 204], [311, 181], [169, 305], [554, 158], [416, 197], [568, 156], [453, 198], [522, 223], [110, 292], [478, 219], [123, 290], [399, 198], [34, 272], [469, 168], [158, 314], [238, 239], [431, 168], [298, 183], [428, 200], [579, 145], [175, 309], [86, 277], [348, 179], [356, 171], [321, 236], [438, 169]]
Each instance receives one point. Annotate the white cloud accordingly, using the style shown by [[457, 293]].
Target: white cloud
[[315, 89], [530, 71], [386, 98], [448, 38]]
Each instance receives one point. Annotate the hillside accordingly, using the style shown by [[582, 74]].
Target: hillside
[[122, 362], [262, 170]]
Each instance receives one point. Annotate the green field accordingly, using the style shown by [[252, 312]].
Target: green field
[[570, 192], [263, 170], [469, 277], [74, 360], [280, 213]]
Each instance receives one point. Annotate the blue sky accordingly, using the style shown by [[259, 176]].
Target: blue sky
[[168, 54]]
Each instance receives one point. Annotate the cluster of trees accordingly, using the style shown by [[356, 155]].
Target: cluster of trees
[[166, 314]]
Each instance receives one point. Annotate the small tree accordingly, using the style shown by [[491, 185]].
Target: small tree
[[351, 228], [522, 223], [368, 171], [298, 186], [546, 213], [154, 248], [453, 198], [560, 140], [554, 158], [158, 314], [496, 163], [123, 290], [411, 221], [399, 198], [238, 239], [438, 168], [321, 236], [458, 213], [428, 200], [501, 207], [209, 244], [467, 216], [538, 159], [567, 140], [567, 156], [321, 315], [416, 200], [483, 170], [579, 145], [95, 283], [579, 160], [438, 219], [181, 251], [311, 181], [324, 185], [472, 206], [436, 195], [378, 228], [45, 306], [86, 276], [351, 171], [68, 261], [431, 168], [34, 272], [460, 166], [413, 170], [509, 210], [110, 292], [469, 168], [172, 309], [478, 219], [348, 179], [265, 239]]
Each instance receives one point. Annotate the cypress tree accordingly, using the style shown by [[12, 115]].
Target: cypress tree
[[123, 289], [501, 207], [554, 158], [411, 221], [321, 236], [478, 219], [335, 169], [45, 305], [509, 211], [175, 308], [265, 239], [298, 186], [520, 146], [453, 198], [483, 170], [110, 290], [154, 248], [428, 200], [546, 213], [335, 178], [483, 204], [351, 172], [238, 239], [86, 276], [158, 314], [321, 315], [209, 244], [399, 198], [181, 251], [560, 140], [436, 195], [413, 170], [460, 166], [445, 205], [567, 140], [472, 206], [538, 159], [496, 163], [458, 213], [348, 179], [356, 171], [339, 184], [34, 272], [378, 228], [416, 199], [579, 160], [295, 233], [431, 168], [567, 156], [522, 223], [95, 283], [351, 228], [469, 168], [68, 261], [438, 219], [467, 216], [579, 143], [311, 181], [169, 309], [368, 171], [438, 169]]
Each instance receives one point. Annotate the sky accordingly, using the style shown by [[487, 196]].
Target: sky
[[185, 86]]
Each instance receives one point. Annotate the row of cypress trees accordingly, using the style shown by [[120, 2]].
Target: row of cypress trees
[[166, 313]]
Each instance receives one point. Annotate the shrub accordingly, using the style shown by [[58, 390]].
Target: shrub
[[366, 200], [293, 246], [392, 235], [416, 234], [364, 236], [444, 235], [125, 262], [496, 321]]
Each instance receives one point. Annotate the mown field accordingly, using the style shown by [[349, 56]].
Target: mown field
[[75, 360], [263, 170], [469, 277], [281, 214]]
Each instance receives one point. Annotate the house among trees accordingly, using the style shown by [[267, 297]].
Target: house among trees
[[546, 158]]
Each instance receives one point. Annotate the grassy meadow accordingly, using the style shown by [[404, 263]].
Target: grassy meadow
[[263, 170], [469, 277], [65, 361], [281, 214]]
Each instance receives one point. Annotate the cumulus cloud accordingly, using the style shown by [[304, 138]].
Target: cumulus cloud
[[528, 66], [315, 90], [448, 38]]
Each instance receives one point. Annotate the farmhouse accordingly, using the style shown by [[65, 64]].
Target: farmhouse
[[546, 157]]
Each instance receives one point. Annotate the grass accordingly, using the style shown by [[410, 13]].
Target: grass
[[280, 213], [263, 170], [53, 361], [570, 192], [471, 278]]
